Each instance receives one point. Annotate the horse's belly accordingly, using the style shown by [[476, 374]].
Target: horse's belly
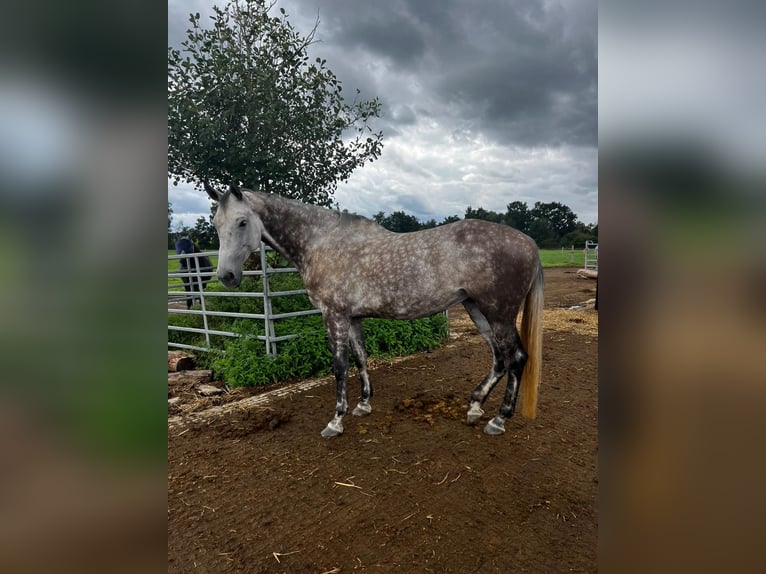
[[407, 307]]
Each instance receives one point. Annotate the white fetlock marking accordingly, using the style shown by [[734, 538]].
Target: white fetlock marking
[[495, 426], [475, 412], [362, 409], [333, 428]]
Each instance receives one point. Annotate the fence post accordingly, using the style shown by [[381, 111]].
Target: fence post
[[198, 279], [591, 255], [271, 346]]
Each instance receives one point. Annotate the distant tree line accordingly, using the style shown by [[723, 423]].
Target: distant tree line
[[550, 224]]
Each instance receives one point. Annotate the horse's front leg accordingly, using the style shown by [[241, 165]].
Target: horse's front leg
[[338, 332]]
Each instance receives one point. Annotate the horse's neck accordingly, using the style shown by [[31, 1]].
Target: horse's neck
[[292, 226]]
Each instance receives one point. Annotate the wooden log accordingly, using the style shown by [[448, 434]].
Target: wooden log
[[179, 361], [191, 377], [587, 273], [209, 390]]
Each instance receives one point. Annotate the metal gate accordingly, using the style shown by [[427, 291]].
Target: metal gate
[[199, 277]]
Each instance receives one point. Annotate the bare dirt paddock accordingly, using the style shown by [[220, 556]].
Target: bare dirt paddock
[[412, 487]]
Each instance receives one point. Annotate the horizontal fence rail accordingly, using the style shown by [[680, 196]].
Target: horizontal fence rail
[[198, 278]]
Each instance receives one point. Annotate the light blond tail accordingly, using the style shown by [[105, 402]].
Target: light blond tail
[[532, 339]]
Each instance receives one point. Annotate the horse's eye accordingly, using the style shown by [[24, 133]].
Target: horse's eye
[[242, 223]]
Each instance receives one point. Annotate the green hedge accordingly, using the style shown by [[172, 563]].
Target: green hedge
[[246, 363]]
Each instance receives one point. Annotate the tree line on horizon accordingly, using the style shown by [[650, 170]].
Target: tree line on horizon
[[550, 224]]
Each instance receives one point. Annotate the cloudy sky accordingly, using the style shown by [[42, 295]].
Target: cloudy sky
[[484, 103]]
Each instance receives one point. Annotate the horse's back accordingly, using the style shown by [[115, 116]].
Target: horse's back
[[470, 246], [373, 272], [500, 245], [494, 263]]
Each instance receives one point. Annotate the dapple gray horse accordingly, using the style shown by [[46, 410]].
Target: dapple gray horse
[[353, 268]]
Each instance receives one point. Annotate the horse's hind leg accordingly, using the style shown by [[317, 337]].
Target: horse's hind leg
[[499, 363], [338, 333], [517, 361], [356, 337]]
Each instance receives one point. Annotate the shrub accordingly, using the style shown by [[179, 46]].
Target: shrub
[[245, 361], [389, 338], [184, 337]]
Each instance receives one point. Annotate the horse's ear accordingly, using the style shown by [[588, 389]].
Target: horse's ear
[[214, 195], [235, 191]]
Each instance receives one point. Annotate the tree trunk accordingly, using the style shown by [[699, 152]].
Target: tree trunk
[[179, 361], [191, 377]]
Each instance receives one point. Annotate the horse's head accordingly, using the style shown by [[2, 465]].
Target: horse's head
[[184, 245], [239, 232]]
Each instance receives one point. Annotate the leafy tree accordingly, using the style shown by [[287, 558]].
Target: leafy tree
[[544, 235], [450, 219], [518, 216], [403, 222], [398, 221], [579, 235], [180, 231], [170, 225], [483, 214], [204, 234], [560, 217], [245, 105]]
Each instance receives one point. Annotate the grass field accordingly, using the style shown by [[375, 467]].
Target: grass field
[[565, 258]]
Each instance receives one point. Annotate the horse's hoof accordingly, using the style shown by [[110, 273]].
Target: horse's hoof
[[362, 409], [474, 414], [495, 427], [332, 429]]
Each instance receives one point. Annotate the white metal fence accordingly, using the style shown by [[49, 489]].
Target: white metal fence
[[198, 277], [591, 255]]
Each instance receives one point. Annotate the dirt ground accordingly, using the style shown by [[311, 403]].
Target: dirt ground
[[412, 487]]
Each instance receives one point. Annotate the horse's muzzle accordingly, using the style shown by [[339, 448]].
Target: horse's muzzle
[[230, 279]]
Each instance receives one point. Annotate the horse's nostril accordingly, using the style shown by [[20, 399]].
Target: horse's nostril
[[227, 277]]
